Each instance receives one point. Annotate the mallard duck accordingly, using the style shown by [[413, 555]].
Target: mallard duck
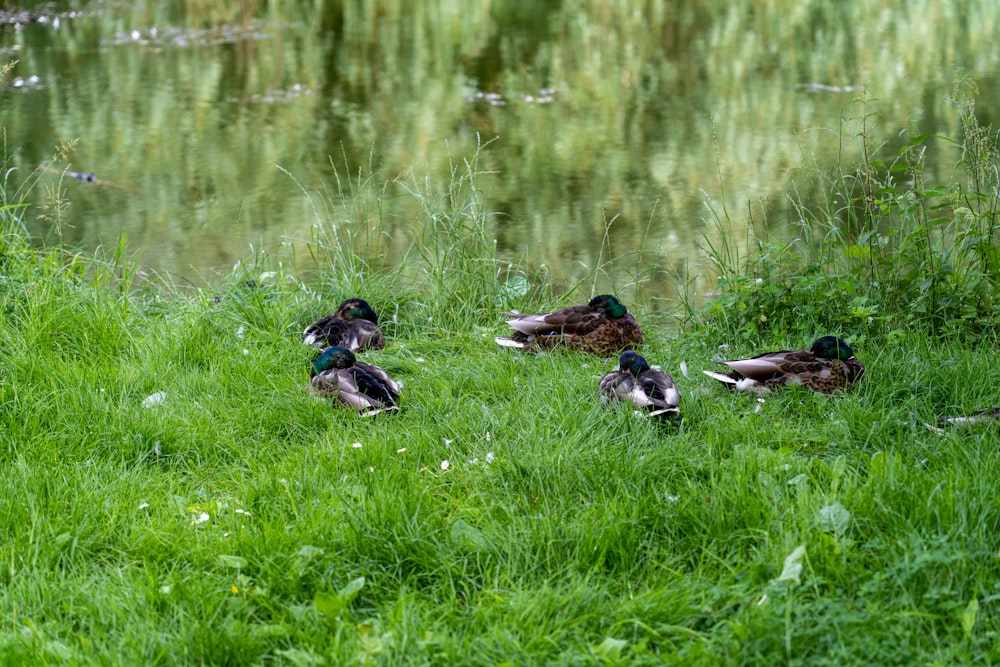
[[603, 326], [825, 367], [364, 387], [354, 326], [646, 388], [978, 418]]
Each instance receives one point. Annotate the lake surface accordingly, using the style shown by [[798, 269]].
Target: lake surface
[[612, 132]]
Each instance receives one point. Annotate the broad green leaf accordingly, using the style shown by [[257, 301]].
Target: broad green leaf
[[351, 590], [237, 562], [309, 552], [969, 617], [329, 604], [468, 537], [515, 286], [834, 518], [792, 570], [610, 649]]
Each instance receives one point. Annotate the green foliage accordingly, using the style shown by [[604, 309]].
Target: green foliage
[[886, 253]]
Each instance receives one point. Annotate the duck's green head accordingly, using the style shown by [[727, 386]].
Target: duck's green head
[[632, 362], [831, 347], [608, 305], [333, 358], [356, 309]]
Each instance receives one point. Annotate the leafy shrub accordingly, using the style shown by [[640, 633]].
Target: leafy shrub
[[885, 250]]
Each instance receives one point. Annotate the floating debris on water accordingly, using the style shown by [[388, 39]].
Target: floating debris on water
[[543, 96]]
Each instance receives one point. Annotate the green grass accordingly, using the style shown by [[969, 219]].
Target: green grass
[[243, 521]]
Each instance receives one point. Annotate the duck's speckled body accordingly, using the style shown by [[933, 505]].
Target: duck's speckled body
[[603, 326], [828, 365], [354, 326]]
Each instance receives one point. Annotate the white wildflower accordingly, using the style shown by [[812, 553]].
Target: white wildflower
[[489, 457], [445, 464]]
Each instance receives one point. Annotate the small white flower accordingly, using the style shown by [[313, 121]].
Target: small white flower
[[239, 511], [672, 499], [445, 465], [282, 480], [489, 457], [356, 445], [165, 589], [487, 436], [474, 461], [245, 352], [202, 518], [143, 506], [371, 468], [447, 442], [240, 332], [419, 360], [401, 450]]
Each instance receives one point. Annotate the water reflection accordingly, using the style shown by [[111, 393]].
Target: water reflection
[[610, 127]]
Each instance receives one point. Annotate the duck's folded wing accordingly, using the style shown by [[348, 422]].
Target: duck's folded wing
[[617, 385], [375, 382], [660, 389], [326, 332], [577, 319], [775, 364]]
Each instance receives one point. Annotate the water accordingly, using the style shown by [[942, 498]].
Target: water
[[614, 131]]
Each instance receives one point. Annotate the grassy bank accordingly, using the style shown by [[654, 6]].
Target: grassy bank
[[171, 494]]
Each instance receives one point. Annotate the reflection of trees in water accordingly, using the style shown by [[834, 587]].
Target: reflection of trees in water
[[656, 112]]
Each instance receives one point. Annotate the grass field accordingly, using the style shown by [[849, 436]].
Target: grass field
[[172, 495]]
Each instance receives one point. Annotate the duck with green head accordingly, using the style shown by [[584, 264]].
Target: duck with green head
[[647, 388], [828, 365], [354, 326], [603, 326], [365, 387]]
